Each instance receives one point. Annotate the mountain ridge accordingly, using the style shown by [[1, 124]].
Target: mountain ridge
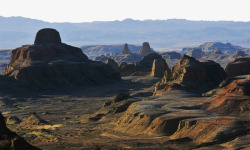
[[169, 34]]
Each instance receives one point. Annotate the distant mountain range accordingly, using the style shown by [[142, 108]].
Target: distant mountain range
[[169, 34]]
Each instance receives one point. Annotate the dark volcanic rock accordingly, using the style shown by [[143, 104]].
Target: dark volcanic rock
[[10, 140], [54, 65], [239, 66], [193, 75], [145, 49], [125, 49], [196, 53], [47, 36]]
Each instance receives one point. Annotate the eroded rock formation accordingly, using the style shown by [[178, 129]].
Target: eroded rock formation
[[50, 63], [125, 49], [158, 68], [10, 140], [196, 53], [240, 66], [240, 53], [232, 99], [216, 52], [112, 63], [192, 74], [145, 49]]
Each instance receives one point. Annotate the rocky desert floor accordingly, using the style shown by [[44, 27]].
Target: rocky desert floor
[[75, 119]]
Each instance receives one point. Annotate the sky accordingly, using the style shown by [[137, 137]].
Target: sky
[[109, 10]]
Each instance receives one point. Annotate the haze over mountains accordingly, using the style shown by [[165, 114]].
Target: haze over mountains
[[168, 34]]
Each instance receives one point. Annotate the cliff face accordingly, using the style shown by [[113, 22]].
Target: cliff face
[[50, 63]]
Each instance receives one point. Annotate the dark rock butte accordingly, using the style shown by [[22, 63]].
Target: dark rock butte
[[50, 63], [192, 74], [145, 49], [240, 66]]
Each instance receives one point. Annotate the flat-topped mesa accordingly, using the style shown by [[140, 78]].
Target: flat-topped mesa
[[145, 49], [125, 49], [47, 36], [50, 63], [192, 74]]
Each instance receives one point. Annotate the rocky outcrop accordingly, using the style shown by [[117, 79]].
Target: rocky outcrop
[[31, 120], [196, 53], [240, 66], [192, 74], [240, 53], [147, 61], [10, 140], [178, 116], [102, 58], [216, 52], [226, 48], [125, 49], [112, 63], [171, 55], [158, 68], [50, 63], [47, 36], [231, 99], [128, 58], [144, 67], [145, 49]]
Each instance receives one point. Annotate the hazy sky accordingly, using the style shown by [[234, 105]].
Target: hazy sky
[[107, 10]]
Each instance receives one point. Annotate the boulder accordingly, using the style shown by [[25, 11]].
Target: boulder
[[192, 74], [49, 63], [145, 49], [10, 140], [240, 66], [196, 53], [125, 49]]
